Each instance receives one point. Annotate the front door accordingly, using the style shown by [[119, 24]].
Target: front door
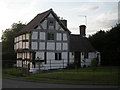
[[77, 59]]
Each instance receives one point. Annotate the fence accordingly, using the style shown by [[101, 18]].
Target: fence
[[51, 64]]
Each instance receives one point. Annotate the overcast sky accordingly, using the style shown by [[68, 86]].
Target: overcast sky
[[100, 14]]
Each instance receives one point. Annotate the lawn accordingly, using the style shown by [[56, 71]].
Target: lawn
[[99, 75]]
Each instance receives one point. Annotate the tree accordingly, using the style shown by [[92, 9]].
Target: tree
[[107, 43], [8, 54]]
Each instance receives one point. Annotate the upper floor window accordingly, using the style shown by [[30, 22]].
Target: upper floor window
[[50, 36], [51, 24]]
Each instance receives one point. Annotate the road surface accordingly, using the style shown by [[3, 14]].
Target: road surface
[[11, 83]]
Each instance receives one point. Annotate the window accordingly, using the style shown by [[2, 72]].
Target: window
[[50, 36], [57, 56], [51, 25], [85, 55]]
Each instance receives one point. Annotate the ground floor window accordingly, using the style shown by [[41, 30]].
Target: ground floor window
[[58, 56]]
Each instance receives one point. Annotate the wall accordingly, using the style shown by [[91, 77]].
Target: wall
[[40, 43]]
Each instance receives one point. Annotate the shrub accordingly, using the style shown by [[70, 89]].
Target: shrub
[[94, 62]]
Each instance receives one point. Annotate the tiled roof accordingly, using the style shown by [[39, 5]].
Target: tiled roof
[[80, 44], [33, 22]]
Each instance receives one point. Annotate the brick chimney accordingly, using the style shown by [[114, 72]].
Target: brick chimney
[[82, 30], [64, 22]]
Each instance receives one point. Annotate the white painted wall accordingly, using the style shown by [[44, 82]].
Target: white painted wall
[[58, 46], [19, 63], [27, 36], [20, 37], [20, 44], [64, 37], [40, 55], [42, 46], [38, 27], [44, 24], [34, 45], [50, 16], [91, 55], [65, 46], [23, 45], [71, 57], [27, 45], [57, 26], [50, 46], [34, 35], [17, 38], [59, 36], [23, 36], [61, 29], [42, 35], [50, 56]]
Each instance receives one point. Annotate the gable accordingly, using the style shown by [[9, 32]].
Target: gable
[[54, 22], [41, 21]]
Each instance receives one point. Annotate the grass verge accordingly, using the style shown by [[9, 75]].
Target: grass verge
[[98, 75]]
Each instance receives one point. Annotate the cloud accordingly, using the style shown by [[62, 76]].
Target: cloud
[[85, 8], [93, 8]]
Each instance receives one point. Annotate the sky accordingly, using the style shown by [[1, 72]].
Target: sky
[[95, 14]]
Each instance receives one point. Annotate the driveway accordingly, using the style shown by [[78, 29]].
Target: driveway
[[12, 83]]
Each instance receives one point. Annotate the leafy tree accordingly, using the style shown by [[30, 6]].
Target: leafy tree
[[8, 54], [108, 44]]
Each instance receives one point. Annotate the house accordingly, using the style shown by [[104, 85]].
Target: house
[[47, 39], [81, 51]]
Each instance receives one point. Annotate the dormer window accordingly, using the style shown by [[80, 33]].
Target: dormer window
[[51, 24]]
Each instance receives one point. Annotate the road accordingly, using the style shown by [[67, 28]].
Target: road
[[11, 83]]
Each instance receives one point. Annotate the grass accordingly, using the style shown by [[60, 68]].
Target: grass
[[103, 75], [100, 75]]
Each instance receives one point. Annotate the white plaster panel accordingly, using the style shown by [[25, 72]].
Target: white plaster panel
[[28, 55], [91, 55], [50, 56], [42, 35], [41, 45], [17, 39], [20, 44], [44, 24], [20, 37], [71, 57], [59, 36], [58, 46], [34, 35], [40, 55], [64, 55], [50, 15], [19, 63], [17, 45], [27, 44], [57, 25], [38, 27], [14, 46], [34, 45], [23, 45], [64, 37], [61, 29], [23, 36], [50, 46], [27, 36], [65, 46]]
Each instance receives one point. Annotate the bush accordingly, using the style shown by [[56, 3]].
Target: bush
[[94, 62]]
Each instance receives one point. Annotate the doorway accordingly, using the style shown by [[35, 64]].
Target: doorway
[[77, 59]]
